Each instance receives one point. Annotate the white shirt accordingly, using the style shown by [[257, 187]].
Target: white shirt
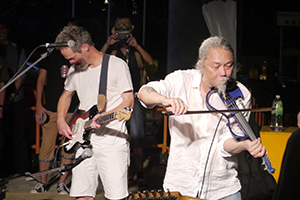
[[191, 138], [86, 84]]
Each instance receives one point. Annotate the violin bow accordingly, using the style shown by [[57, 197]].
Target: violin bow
[[266, 109]]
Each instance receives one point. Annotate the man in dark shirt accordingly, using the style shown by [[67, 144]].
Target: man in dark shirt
[[51, 84]]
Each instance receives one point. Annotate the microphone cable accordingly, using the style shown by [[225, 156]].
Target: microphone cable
[[206, 162]]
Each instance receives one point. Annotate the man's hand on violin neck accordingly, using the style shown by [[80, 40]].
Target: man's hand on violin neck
[[255, 148]]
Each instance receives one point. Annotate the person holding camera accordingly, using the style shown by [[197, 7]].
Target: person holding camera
[[122, 44]]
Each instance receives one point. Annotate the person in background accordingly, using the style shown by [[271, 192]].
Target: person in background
[[15, 115], [4, 77], [202, 161], [124, 45], [49, 85], [110, 140]]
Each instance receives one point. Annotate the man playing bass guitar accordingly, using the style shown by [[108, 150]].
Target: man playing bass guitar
[[202, 161], [110, 141]]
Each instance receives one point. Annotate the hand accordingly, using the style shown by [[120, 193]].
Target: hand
[[132, 41], [94, 123], [175, 105], [39, 114], [255, 148], [112, 39], [64, 129], [12, 96]]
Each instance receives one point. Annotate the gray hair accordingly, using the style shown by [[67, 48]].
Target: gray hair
[[78, 34], [212, 42]]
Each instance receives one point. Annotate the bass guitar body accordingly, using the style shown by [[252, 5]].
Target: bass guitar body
[[77, 127], [80, 126]]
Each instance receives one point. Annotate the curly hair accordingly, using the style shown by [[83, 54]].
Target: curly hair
[[76, 33]]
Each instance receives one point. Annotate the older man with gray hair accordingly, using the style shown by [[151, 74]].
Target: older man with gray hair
[[202, 161]]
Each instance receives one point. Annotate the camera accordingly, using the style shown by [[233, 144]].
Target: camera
[[122, 36]]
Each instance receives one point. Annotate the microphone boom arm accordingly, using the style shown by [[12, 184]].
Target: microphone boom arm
[[44, 55]]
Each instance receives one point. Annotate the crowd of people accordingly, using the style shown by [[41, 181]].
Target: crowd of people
[[202, 161]]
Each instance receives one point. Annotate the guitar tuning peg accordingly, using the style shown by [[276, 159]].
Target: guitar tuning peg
[[149, 194], [170, 196], [154, 193], [130, 196], [140, 196], [146, 192], [169, 193], [161, 192]]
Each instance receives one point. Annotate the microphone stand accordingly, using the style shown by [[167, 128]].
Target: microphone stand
[[62, 169], [44, 55], [3, 182]]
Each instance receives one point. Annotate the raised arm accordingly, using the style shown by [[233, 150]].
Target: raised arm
[[145, 55], [150, 97], [110, 41]]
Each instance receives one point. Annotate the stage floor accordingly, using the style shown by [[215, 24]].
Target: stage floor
[[153, 173]]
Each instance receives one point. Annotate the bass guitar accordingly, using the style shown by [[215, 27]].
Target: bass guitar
[[81, 127]]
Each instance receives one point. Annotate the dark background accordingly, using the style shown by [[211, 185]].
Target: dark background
[[174, 32], [34, 22]]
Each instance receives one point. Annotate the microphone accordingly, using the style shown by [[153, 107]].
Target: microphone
[[69, 44], [87, 153]]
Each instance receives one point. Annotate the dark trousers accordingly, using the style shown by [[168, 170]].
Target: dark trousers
[[288, 186], [16, 143], [1, 147]]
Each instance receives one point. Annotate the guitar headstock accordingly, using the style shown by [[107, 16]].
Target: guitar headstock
[[153, 195], [124, 114], [159, 195]]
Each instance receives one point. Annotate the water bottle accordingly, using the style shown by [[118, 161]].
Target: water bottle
[[276, 115]]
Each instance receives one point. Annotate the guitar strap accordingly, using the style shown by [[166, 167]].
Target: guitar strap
[[102, 87], [103, 83]]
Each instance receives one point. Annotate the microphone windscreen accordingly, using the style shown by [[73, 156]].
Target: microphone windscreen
[[71, 43]]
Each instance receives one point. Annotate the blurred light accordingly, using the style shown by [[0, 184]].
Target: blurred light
[[105, 1]]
